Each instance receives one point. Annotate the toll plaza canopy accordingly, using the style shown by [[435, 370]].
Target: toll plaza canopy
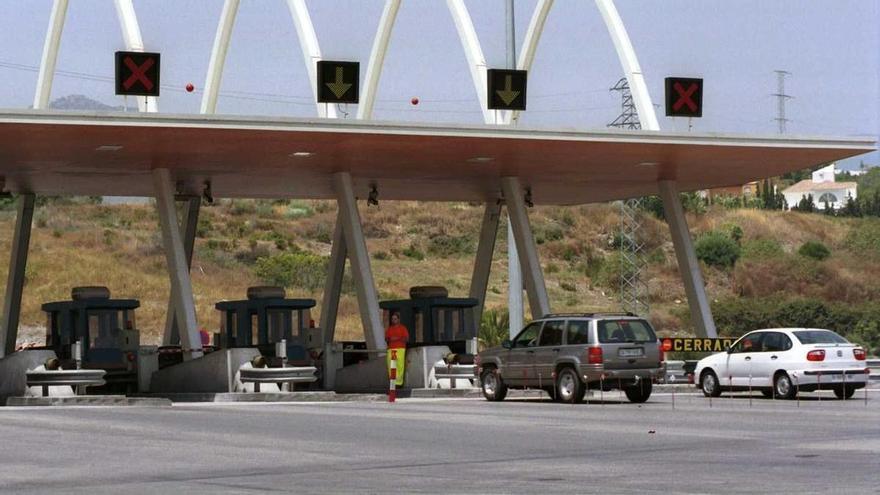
[[88, 153]]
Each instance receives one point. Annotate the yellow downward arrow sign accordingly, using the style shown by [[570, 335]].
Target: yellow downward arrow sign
[[338, 87], [507, 95]]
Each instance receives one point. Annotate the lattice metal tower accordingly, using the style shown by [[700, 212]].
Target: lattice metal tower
[[781, 97], [633, 289]]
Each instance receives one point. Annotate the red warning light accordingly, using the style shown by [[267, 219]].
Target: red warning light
[[415, 100], [190, 87]]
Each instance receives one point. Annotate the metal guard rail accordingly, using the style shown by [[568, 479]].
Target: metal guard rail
[[71, 378], [293, 374], [455, 371]]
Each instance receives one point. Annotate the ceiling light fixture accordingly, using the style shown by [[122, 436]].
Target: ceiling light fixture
[[109, 147], [481, 159], [300, 154]]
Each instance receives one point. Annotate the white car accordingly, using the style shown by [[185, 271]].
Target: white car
[[780, 362]]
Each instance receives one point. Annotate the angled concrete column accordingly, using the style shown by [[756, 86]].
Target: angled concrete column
[[483, 262], [368, 299], [15, 279], [333, 285], [188, 227], [688, 266], [514, 286], [178, 267], [539, 303]]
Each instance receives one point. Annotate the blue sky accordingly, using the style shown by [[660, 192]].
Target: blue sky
[[832, 49]]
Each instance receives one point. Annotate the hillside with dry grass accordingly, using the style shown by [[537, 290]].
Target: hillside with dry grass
[[242, 243]]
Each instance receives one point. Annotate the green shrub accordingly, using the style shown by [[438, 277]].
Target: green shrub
[[611, 271], [493, 328], [242, 207], [865, 238], [413, 252], [381, 255], [568, 286], [716, 249], [446, 246], [815, 250], [303, 270], [762, 248], [298, 209]]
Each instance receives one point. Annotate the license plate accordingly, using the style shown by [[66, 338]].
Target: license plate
[[836, 378], [630, 352]]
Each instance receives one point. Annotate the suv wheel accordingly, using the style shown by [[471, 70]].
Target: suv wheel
[[709, 384], [569, 388], [639, 392], [494, 388]]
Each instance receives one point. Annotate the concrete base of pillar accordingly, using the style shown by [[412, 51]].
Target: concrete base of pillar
[[14, 368], [213, 373]]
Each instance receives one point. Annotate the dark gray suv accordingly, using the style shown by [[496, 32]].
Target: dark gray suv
[[565, 354]]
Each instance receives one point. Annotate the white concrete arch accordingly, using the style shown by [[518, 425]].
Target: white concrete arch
[[308, 42], [131, 35]]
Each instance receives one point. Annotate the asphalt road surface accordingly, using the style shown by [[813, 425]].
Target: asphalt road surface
[[448, 446]]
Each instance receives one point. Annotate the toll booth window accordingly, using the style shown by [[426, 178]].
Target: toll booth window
[[444, 324], [625, 331], [449, 324], [128, 320], [278, 321], [552, 334], [418, 327], [578, 332], [50, 329], [104, 330], [529, 336], [255, 330]]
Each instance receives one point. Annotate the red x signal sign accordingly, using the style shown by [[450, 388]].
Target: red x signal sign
[[684, 97], [137, 73]]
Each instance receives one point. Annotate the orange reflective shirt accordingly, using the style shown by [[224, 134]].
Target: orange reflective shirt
[[396, 336]]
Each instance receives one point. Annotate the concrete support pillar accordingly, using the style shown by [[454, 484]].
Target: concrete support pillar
[[514, 286], [483, 262], [188, 227], [178, 266], [15, 279], [356, 244], [526, 247], [688, 266], [333, 285]]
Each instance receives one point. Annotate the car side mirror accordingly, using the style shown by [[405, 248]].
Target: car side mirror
[[507, 344]]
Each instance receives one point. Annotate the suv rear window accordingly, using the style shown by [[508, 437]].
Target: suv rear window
[[819, 337], [625, 331]]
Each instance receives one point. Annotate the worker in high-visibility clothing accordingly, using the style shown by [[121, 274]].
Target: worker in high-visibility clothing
[[396, 337]]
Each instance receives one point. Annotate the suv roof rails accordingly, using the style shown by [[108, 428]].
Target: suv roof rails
[[589, 315]]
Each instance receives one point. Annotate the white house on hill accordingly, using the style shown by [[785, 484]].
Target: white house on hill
[[823, 187]]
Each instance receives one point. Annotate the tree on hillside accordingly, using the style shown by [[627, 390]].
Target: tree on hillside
[[806, 204]]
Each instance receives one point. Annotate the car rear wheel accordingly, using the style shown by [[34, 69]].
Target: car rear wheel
[[844, 393], [494, 388], [783, 386], [569, 388], [639, 392], [709, 384]]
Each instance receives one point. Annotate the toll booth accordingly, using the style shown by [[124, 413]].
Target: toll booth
[[106, 329], [441, 333], [433, 318], [266, 318]]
